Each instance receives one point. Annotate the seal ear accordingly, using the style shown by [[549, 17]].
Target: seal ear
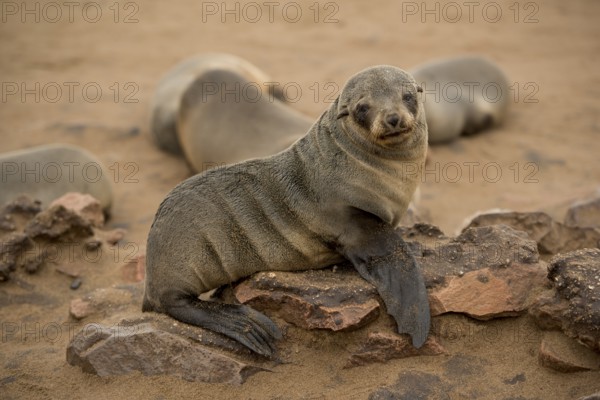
[[343, 112], [419, 89]]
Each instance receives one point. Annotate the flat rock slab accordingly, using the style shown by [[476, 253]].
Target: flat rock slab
[[485, 272], [573, 302], [384, 346], [551, 236], [489, 292], [564, 354], [316, 299], [145, 347]]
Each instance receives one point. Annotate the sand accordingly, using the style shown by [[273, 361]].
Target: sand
[[543, 157]]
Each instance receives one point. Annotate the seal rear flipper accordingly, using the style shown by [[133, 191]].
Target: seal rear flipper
[[239, 322]]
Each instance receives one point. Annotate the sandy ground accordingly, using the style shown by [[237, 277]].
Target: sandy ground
[[546, 153]]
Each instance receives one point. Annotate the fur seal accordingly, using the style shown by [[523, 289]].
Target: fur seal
[[462, 95], [47, 172], [166, 101], [336, 194], [224, 118]]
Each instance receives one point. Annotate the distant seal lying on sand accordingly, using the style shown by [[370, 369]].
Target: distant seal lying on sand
[[47, 172], [462, 95], [337, 193], [166, 102], [223, 119]]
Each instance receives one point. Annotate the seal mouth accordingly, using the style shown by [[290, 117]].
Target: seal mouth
[[396, 133]]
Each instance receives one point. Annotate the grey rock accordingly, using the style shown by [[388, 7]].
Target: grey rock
[[584, 214], [146, 348], [572, 304], [552, 237]]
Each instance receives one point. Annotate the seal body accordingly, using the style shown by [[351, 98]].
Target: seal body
[[462, 96], [337, 193], [166, 102], [219, 109], [47, 172], [225, 118]]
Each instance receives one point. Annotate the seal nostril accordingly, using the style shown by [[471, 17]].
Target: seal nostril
[[393, 120]]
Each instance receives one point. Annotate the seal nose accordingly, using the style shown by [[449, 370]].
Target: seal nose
[[393, 120]]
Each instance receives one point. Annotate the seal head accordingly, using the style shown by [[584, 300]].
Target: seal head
[[379, 108]]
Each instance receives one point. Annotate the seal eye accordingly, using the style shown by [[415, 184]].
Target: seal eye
[[362, 108], [407, 97], [361, 114]]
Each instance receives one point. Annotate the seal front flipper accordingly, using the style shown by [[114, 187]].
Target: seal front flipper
[[239, 322], [382, 258]]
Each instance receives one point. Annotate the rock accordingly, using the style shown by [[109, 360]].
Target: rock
[[135, 270], [414, 385], [146, 348], [104, 302], [584, 214], [76, 283], [552, 237], [58, 223], [69, 270], [548, 309], [384, 346], [494, 247], [23, 208], [572, 304], [12, 246], [595, 396], [84, 205], [564, 354], [48, 172], [112, 237], [31, 235], [488, 292], [315, 299]]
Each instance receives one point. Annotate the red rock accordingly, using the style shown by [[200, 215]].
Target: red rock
[[564, 354], [384, 346], [488, 293], [135, 270], [318, 299], [83, 205], [80, 308]]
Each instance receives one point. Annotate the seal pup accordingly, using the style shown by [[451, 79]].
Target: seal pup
[[462, 96], [336, 194], [224, 118], [166, 101], [47, 172]]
